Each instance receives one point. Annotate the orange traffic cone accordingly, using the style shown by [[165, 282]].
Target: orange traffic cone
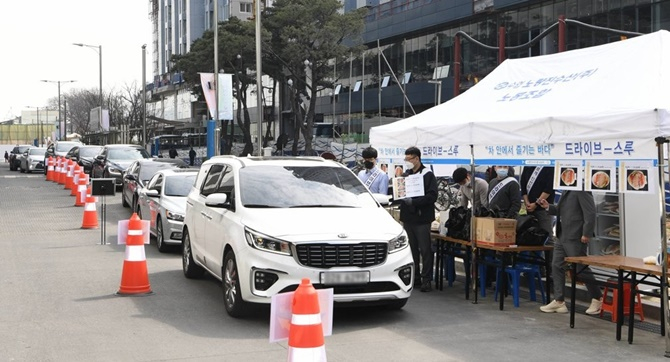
[[57, 166], [63, 172], [76, 174], [90, 220], [50, 169], [305, 340], [135, 278], [80, 199], [69, 175]]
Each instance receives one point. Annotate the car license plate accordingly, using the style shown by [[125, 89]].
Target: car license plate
[[336, 278]]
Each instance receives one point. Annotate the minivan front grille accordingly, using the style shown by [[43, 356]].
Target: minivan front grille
[[339, 255]]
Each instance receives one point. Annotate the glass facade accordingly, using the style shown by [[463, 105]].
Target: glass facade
[[421, 52]]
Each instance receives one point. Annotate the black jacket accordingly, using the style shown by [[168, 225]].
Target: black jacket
[[422, 209]]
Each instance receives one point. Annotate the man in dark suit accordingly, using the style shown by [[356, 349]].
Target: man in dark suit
[[576, 220], [417, 214]]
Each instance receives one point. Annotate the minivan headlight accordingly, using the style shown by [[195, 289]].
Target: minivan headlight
[[266, 243], [398, 243]]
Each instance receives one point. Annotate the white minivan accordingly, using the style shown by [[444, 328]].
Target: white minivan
[[261, 224]]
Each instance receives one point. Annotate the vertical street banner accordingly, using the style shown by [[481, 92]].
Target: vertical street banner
[[225, 83], [225, 96]]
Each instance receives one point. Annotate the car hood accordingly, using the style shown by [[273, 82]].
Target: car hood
[[325, 224], [37, 157], [174, 203], [120, 164]]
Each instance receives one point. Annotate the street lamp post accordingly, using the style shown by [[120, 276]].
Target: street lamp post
[[59, 108], [98, 49], [144, 95]]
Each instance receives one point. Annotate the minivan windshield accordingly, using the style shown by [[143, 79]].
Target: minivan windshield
[[298, 186]]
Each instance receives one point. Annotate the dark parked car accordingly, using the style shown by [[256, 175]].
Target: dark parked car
[[15, 156], [84, 156], [138, 175], [113, 161]]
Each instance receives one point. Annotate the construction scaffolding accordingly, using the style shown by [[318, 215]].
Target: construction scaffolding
[[26, 133]]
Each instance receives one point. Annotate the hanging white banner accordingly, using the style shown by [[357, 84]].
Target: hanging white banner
[[226, 96]]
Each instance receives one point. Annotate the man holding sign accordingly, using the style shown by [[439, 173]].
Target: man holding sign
[[417, 212]]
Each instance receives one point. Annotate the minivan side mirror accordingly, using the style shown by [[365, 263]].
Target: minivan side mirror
[[216, 200]]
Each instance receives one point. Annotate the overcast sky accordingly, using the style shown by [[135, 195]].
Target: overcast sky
[[38, 37]]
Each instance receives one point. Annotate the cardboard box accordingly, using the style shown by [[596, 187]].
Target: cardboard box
[[498, 232]]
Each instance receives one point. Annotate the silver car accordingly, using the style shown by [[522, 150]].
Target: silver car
[[163, 203], [32, 159]]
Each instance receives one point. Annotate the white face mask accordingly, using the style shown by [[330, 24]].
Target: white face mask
[[409, 165]]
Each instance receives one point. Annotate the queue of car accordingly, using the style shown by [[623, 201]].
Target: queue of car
[[259, 224]]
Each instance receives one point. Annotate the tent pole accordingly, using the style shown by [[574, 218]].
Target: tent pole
[[561, 33], [473, 241], [664, 243]]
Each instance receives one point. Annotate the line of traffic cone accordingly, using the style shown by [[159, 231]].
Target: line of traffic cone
[[135, 277], [305, 341]]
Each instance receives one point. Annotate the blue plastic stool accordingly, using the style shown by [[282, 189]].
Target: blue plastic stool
[[533, 274], [482, 274]]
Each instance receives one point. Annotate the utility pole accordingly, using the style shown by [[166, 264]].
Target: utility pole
[[259, 77], [61, 135]]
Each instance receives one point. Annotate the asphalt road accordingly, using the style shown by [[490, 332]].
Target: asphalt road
[[58, 303]]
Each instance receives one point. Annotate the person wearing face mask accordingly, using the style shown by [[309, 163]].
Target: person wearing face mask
[[372, 176], [504, 193], [462, 177], [417, 214]]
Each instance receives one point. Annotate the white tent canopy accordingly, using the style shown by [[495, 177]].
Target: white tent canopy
[[603, 102]]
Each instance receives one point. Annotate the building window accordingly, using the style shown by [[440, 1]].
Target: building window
[[246, 7]]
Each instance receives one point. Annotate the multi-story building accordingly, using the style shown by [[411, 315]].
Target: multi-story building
[[409, 64], [176, 25]]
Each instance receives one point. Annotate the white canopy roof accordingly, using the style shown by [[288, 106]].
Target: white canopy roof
[[603, 102]]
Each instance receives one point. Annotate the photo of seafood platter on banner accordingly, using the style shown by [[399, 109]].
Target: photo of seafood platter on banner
[[605, 176]]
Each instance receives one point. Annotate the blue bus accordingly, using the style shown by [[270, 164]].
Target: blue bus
[[160, 145]]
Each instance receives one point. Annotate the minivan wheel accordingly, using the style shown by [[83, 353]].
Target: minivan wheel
[[232, 295], [191, 270]]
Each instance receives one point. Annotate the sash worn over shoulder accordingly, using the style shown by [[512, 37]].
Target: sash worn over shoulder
[[499, 186]]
